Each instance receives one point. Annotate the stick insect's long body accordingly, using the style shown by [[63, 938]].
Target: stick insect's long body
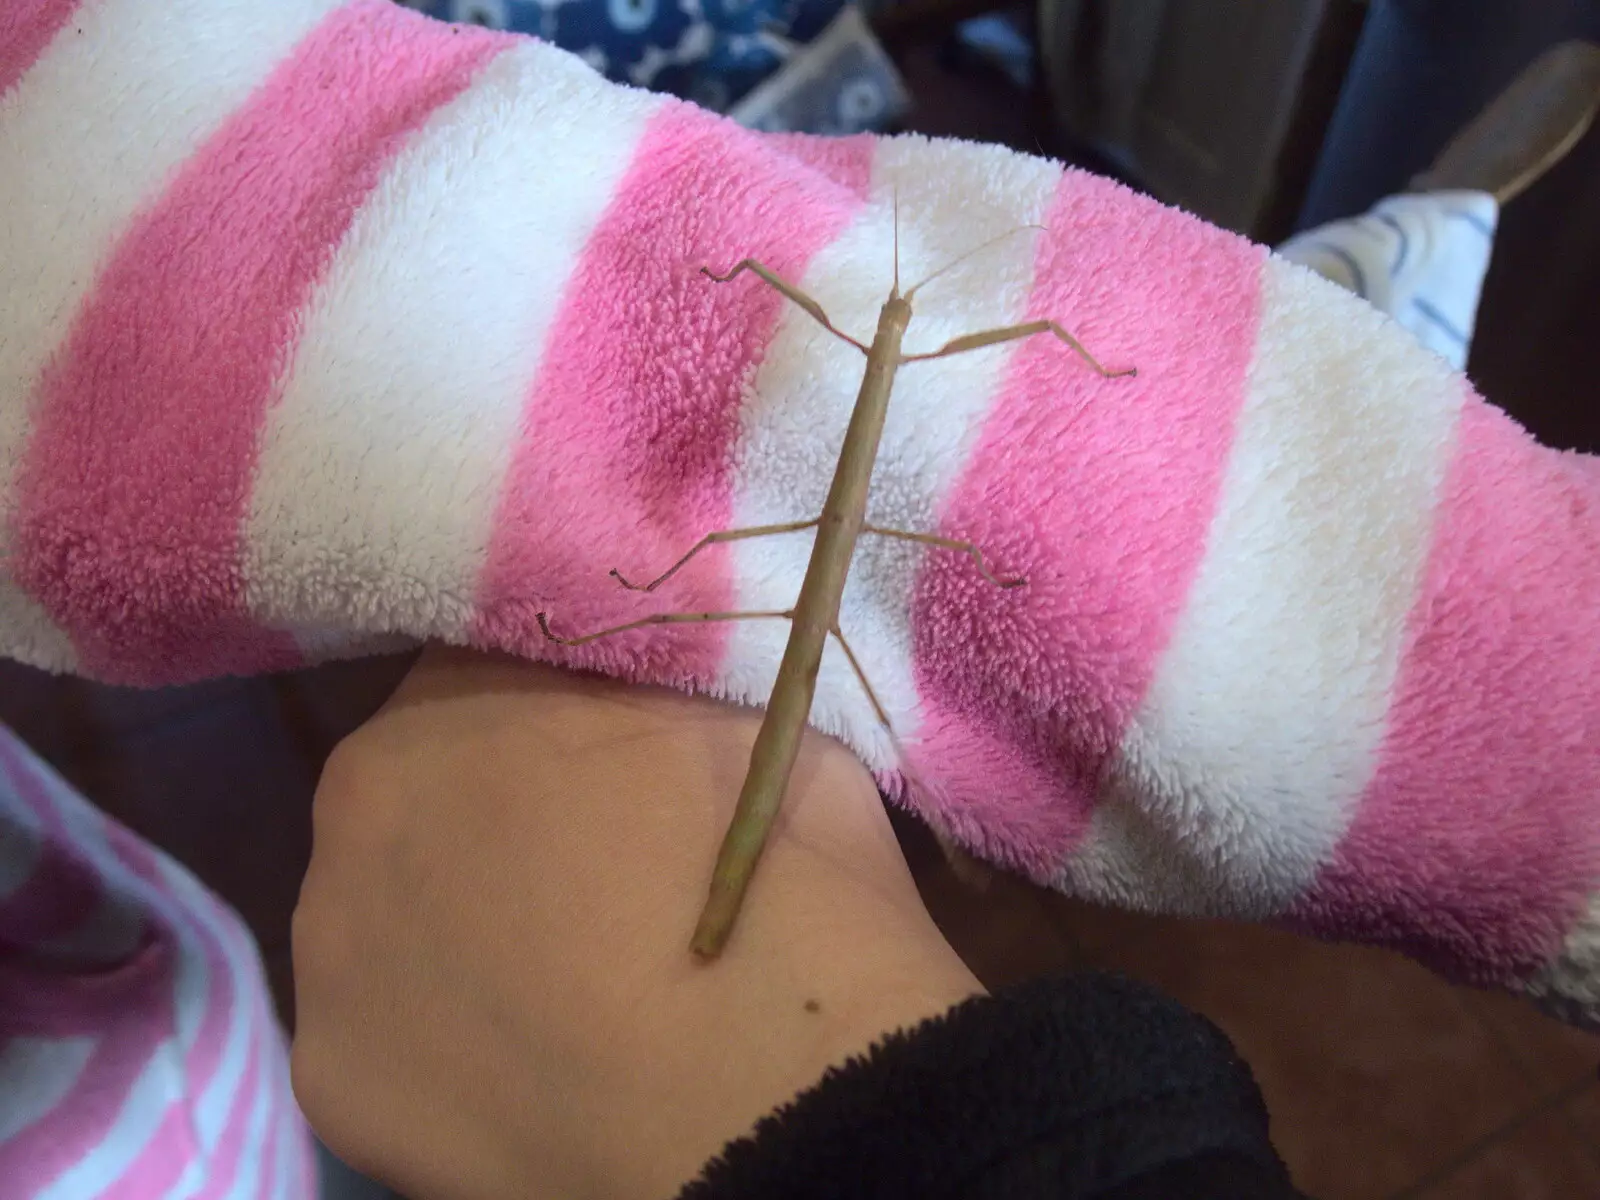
[[815, 615]]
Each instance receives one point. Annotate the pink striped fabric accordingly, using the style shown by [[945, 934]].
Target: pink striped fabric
[[646, 481], [1489, 761], [1305, 636], [120, 1062], [26, 28], [56, 898], [992, 665], [222, 265]]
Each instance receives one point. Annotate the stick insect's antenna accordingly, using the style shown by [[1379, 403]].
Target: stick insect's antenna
[[896, 195], [957, 261]]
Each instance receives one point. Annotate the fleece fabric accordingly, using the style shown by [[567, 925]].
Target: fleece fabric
[[326, 327]]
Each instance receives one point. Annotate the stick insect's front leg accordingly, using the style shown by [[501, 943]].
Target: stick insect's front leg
[[789, 290], [1012, 333], [967, 548]]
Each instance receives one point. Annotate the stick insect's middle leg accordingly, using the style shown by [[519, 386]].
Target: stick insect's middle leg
[[711, 539], [967, 548]]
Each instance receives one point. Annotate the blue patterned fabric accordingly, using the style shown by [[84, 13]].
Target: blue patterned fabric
[[709, 51]]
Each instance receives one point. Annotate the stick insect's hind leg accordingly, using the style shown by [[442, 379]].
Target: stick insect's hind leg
[[711, 539], [971, 872], [680, 618], [967, 548], [1012, 333], [855, 665], [789, 290]]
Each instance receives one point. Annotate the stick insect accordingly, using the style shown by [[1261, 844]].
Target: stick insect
[[815, 614]]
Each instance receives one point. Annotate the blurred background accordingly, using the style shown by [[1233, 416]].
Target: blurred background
[[1266, 117]]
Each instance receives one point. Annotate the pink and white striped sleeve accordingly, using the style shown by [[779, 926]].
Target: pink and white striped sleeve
[[140, 1056], [324, 324]]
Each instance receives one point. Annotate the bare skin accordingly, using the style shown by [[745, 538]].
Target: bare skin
[[815, 615], [487, 977]]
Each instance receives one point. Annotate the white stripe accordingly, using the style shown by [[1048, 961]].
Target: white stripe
[[1262, 727], [283, 1153], [243, 965], [36, 1074], [1570, 986], [381, 468], [192, 1179], [27, 632], [90, 134], [952, 197], [293, 1138], [247, 1183]]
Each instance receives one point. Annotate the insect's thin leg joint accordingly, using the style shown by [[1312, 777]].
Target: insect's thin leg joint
[[788, 289], [679, 618], [967, 548], [712, 539], [1012, 333]]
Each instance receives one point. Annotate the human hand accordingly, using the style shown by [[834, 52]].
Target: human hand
[[494, 990]]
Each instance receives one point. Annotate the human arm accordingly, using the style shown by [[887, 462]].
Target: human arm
[[496, 997]]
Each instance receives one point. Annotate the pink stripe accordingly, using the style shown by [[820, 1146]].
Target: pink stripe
[[27, 27], [628, 438], [174, 1140], [847, 161], [227, 1158], [1477, 844], [135, 491], [174, 1145], [162, 1160], [39, 1002], [133, 1011], [1101, 492], [133, 1015]]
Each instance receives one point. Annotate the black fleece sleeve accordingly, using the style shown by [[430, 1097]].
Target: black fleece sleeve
[[1069, 1088]]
